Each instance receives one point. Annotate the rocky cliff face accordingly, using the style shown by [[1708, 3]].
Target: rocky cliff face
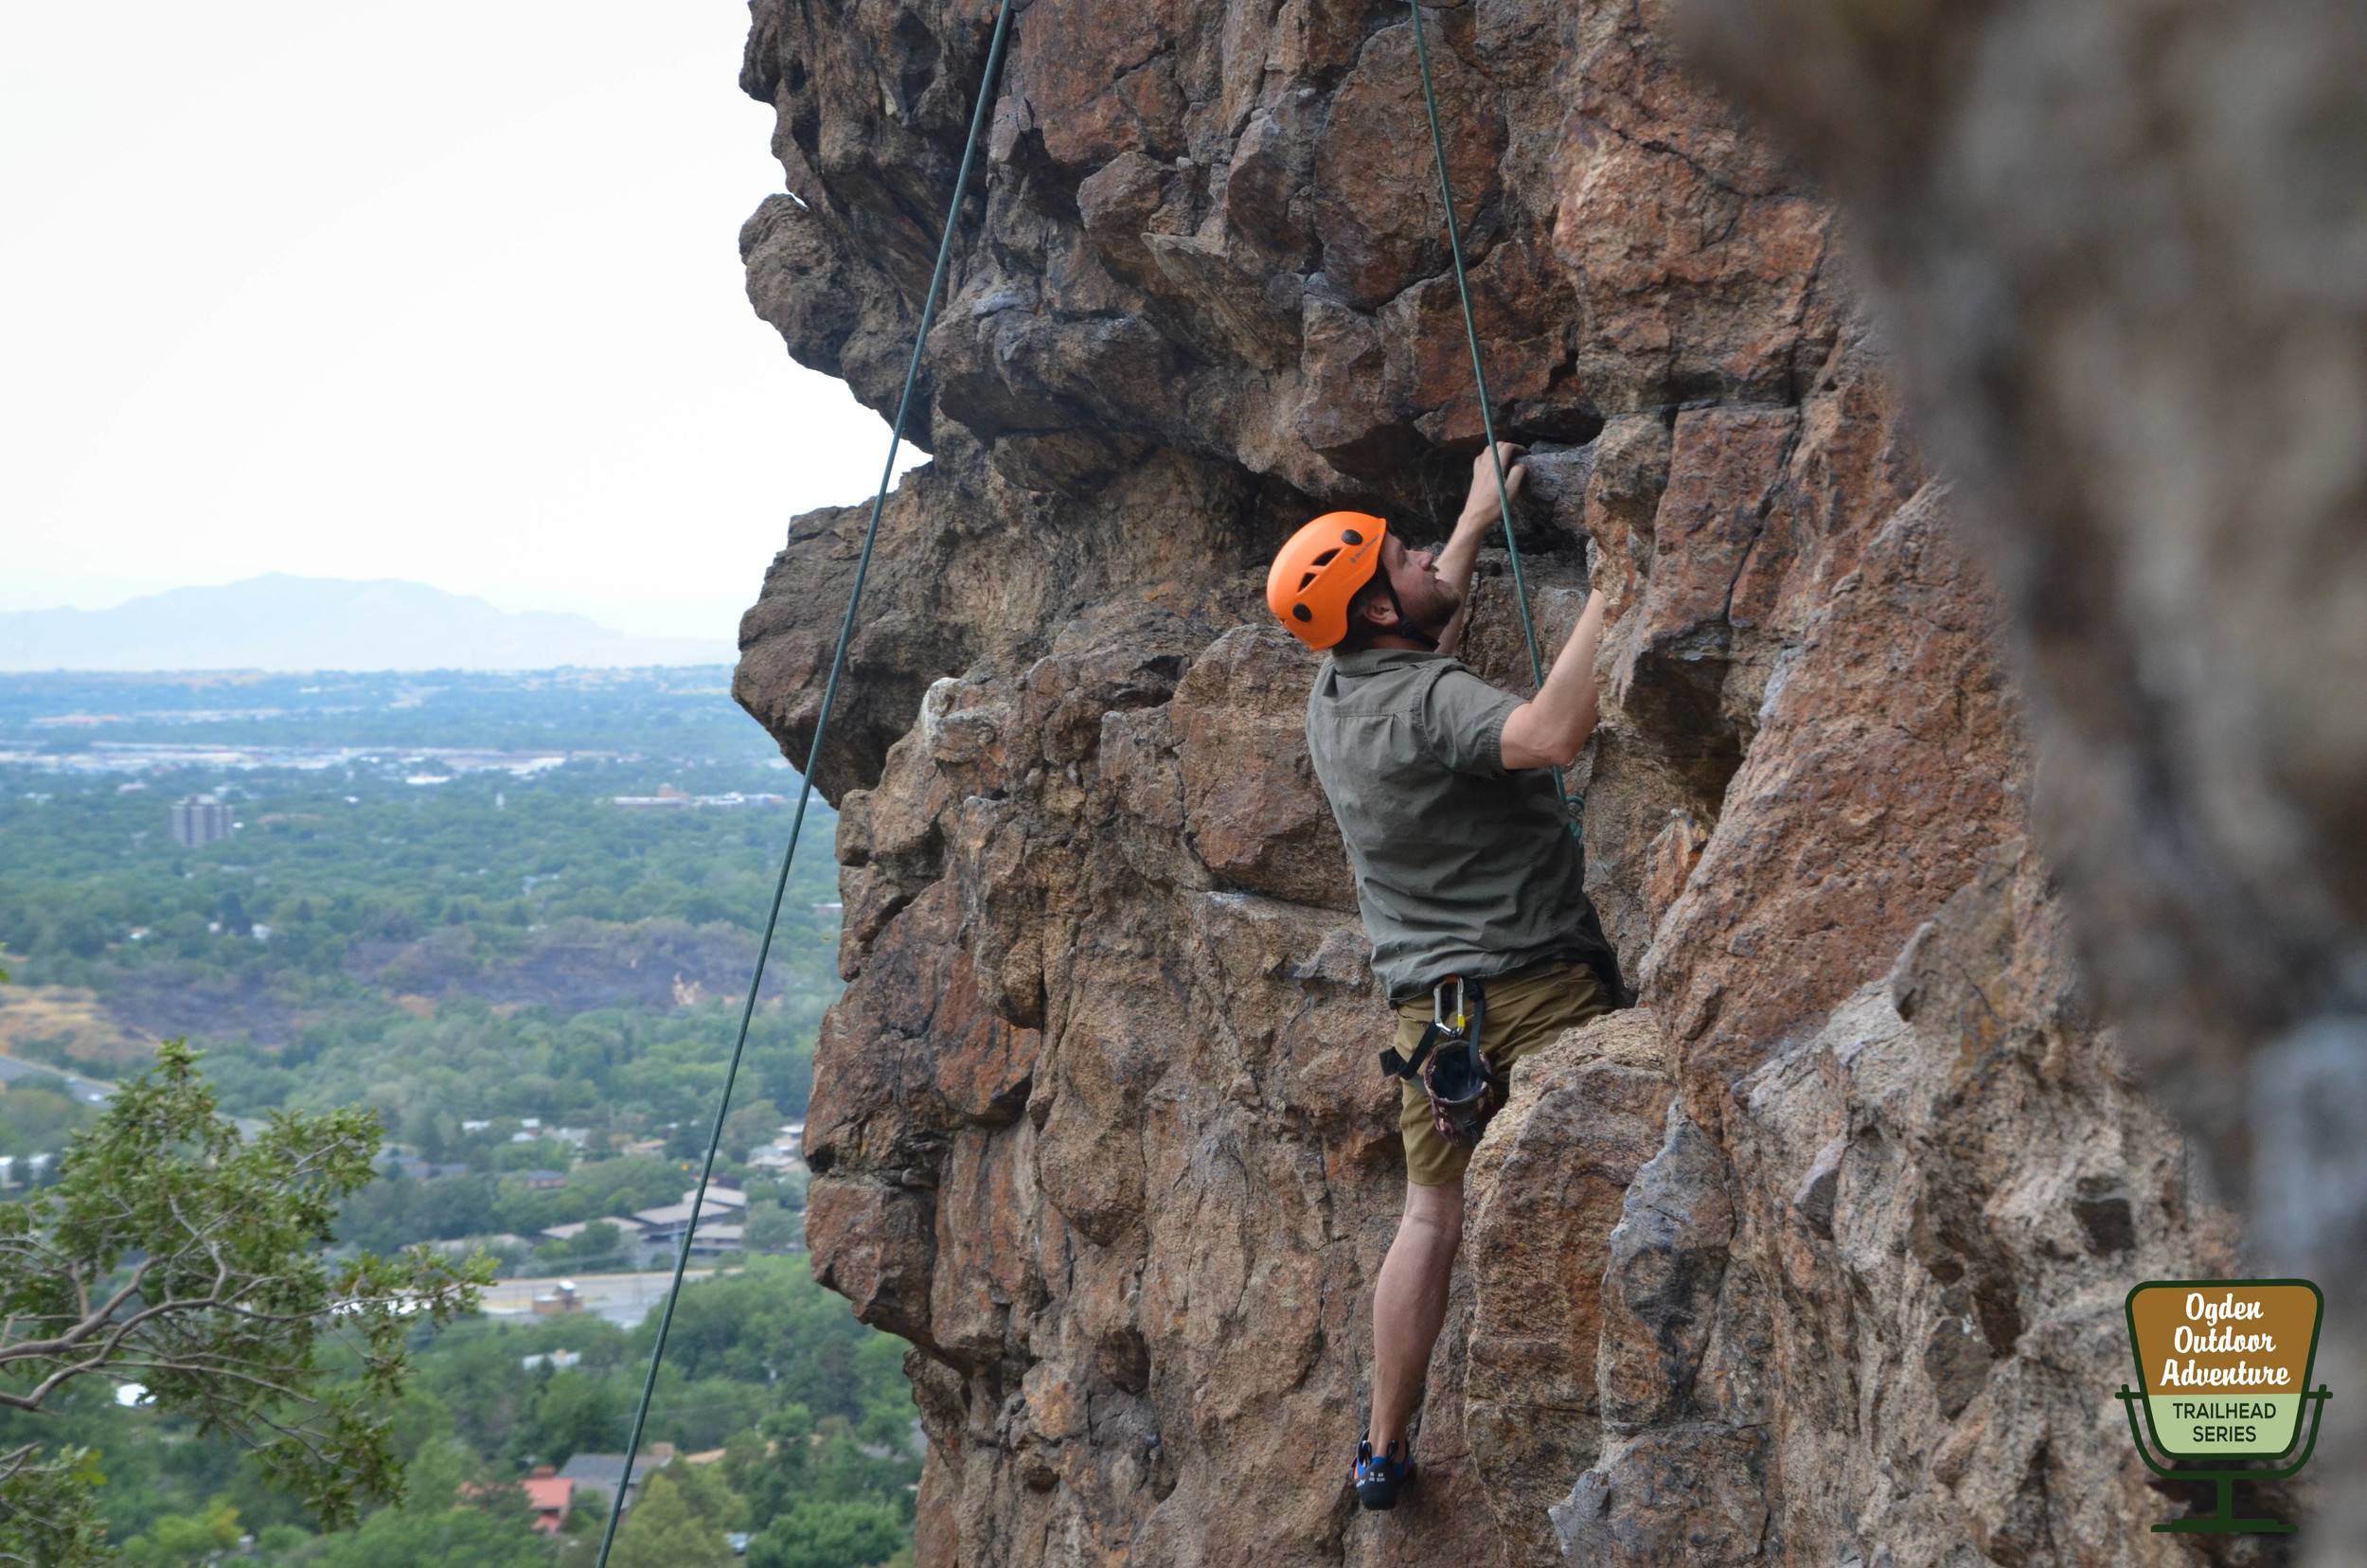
[[1815, 1256], [2123, 244]]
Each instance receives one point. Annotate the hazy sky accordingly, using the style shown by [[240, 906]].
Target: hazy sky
[[445, 290]]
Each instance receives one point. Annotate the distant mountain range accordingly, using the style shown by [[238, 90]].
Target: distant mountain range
[[282, 622]]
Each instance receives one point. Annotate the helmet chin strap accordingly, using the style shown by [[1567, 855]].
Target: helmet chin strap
[[1405, 628]]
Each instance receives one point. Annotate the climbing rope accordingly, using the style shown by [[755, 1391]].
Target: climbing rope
[[814, 758], [1572, 804]]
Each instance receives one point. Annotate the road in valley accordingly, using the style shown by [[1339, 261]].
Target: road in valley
[[624, 1299]]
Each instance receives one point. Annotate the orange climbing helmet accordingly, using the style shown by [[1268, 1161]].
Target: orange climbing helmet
[[1315, 575]]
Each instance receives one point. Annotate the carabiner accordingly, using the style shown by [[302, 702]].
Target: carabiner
[[1438, 1005]]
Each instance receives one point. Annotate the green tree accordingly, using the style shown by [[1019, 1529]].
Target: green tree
[[771, 1466], [772, 1323], [670, 1528], [598, 1242], [47, 1513], [577, 1413], [772, 1228], [437, 1538], [176, 1253], [38, 1112], [754, 1123], [816, 1534], [708, 1490], [276, 1538], [185, 1538], [452, 1519]]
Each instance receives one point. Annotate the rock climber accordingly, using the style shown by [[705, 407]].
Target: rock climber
[[1467, 874]]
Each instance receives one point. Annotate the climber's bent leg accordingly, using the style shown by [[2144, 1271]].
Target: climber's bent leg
[[1524, 1014], [1410, 1305]]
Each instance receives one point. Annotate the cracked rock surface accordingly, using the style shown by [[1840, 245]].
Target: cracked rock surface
[[1816, 1256]]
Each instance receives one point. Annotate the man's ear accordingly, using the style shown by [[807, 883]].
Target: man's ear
[[1379, 609]]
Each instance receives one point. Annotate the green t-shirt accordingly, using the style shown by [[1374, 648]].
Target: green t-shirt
[[1462, 868]]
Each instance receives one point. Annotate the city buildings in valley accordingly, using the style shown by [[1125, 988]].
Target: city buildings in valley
[[669, 798], [199, 821]]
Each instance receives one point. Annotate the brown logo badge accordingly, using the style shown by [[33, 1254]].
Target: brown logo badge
[[2224, 1378]]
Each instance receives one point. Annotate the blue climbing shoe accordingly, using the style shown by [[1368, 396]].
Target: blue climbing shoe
[[1381, 1477]]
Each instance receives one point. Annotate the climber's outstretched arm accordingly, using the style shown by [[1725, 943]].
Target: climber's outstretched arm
[[1480, 512], [1548, 729]]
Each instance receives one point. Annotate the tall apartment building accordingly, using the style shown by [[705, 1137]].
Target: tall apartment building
[[200, 820]]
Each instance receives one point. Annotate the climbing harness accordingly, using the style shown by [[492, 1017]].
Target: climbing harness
[[1465, 1091], [1573, 806], [813, 757]]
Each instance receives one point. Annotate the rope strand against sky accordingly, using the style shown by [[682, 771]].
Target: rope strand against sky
[[813, 757]]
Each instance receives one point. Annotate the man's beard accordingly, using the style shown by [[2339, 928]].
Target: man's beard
[[1428, 606]]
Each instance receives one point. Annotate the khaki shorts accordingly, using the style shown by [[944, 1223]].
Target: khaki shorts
[[1524, 1015]]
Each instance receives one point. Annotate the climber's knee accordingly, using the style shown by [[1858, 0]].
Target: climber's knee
[[1435, 1209]]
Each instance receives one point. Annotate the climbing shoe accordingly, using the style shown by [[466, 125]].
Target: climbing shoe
[[1381, 1477]]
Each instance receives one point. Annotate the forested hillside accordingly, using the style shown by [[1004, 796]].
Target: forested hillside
[[429, 902], [449, 938]]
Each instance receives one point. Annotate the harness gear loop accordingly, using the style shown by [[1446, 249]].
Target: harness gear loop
[[1465, 1091], [813, 757]]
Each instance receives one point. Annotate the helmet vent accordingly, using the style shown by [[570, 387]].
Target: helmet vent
[[1304, 580], [1325, 559]]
